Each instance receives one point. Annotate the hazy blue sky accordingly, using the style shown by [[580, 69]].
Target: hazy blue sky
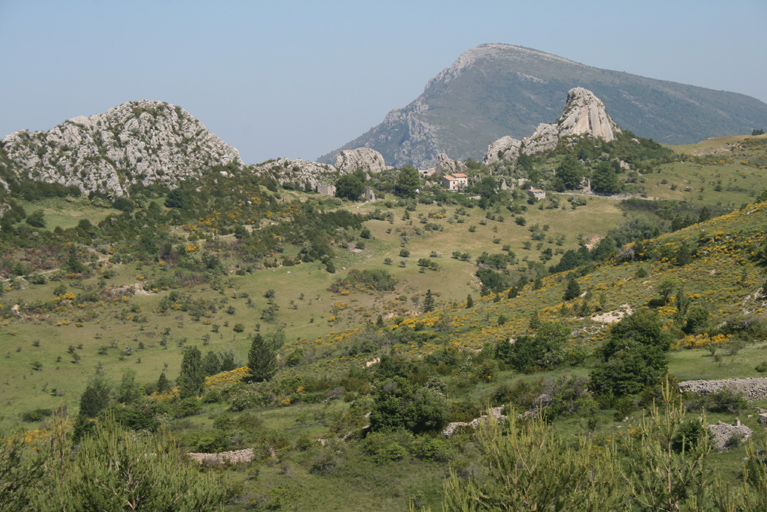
[[301, 78]]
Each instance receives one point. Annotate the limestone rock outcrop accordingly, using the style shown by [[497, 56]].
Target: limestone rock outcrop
[[145, 142], [303, 173], [447, 165], [369, 160], [584, 115], [505, 148]]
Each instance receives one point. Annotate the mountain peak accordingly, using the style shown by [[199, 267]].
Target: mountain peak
[[496, 89]]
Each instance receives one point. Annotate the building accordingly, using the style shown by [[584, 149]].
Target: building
[[537, 193], [457, 181]]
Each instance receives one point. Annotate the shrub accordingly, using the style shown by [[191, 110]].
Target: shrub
[[400, 404], [36, 415]]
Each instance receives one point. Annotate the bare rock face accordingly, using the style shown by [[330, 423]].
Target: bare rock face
[[145, 142], [504, 149], [369, 160], [445, 164], [584, 115], [303, 173]]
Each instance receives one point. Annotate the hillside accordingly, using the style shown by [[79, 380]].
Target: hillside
[[495, 90], [367, 302], [140, 143]]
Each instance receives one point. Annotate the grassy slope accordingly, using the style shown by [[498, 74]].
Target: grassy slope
[[723, 279]]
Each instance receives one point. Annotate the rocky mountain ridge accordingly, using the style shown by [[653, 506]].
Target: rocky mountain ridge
[[146, 142], [495, 90]]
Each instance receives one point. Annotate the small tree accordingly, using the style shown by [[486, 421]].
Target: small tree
[[262, 361], [350, 187], [428, 302], [569, 173], [408, 181], [191, 381], [129, 390], [573, 290], [211, 364], [469, 301], [605, 180], [666, 288], [163, 384], [94, 399]]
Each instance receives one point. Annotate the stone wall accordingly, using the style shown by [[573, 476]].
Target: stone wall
[[753, 388]]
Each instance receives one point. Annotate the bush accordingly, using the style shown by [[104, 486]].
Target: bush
[[383, 448], [188, 407], [688, 436], [400, 404], [539, 352], [36, 415]]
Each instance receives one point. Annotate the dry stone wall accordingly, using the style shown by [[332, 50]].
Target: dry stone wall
[[753, 388]]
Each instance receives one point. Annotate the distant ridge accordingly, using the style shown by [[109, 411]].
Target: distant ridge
[[495, 90]]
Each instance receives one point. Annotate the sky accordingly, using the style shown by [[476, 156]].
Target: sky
[[298, 79]]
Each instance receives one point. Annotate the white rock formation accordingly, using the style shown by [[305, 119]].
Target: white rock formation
[[369, 160], [505, 148], [143, 142], [584, 115], [301, 172], [445, 164]]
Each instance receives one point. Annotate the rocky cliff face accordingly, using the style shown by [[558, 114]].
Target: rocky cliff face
[[584, 115], [369, 160], [143, 142]]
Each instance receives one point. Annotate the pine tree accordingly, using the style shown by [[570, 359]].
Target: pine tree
[[262, 361], [163, 384], [573, 290], [428, 302], [535, 322], [469, 302], [191, 382], [94, 399]]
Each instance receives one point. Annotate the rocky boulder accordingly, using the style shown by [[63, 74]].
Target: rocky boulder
[[146, 142], [369, 160]]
